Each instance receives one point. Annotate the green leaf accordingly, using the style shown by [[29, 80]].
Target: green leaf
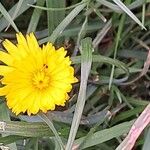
[[24, 7], [127, 114], [104, 59], [86, 61], [106, 134], [60, 28], [51, 126], [16, 11], [4, 115], [93, 129], [8, 17], [56, 8], [146, 145], [25, 129], [10, 139], [116, 8], [54, 17], [35, 17], [127, 10]]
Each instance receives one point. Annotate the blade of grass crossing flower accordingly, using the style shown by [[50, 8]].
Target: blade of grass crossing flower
[[8, 17], [51, 126], [120, 29], [86, 61], [126, 10], [24, 7], [60, 28], [35, 17], [4, 115], [16, 11]]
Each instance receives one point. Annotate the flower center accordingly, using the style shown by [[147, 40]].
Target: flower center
[[40, 79]]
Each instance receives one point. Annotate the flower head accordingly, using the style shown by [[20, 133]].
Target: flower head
[[34, 78]]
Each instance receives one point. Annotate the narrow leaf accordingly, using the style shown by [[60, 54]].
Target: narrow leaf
[[60, 28], [35, 17], [136, 129], [86, 61], [4, 115], [19, 4], [105, 135], [127, 10], [8, 17], [51, 126], [24, 7]]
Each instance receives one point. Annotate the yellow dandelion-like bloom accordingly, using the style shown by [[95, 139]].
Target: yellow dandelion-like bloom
[[34, 78]]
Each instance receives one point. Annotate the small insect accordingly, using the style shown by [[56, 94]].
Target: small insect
[[45, 66]]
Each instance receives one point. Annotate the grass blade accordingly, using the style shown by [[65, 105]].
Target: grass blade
[[104, 59], [118, 37], [117, 9], [25, 129], [4, 115], [24, 7], [139, 125], [146, 145], [60, 28], [105, 135], [51, 126], [56, 8], [93, 129], [86, 61], [35, 17], [102, 33], [126, 10], [16, 11], [54, 17], [8, 17]]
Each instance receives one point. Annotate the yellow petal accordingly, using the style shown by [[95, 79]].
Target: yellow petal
[[6, 58], [3, 91], [21, 39], [32, 42], [10, 47], [4, 70]]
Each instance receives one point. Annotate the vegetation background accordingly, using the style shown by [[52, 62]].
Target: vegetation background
[[108, 44]]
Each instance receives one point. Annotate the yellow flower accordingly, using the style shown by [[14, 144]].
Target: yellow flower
[[34, 78]]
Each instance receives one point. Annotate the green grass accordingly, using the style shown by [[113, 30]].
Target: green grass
[[107, 42]]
